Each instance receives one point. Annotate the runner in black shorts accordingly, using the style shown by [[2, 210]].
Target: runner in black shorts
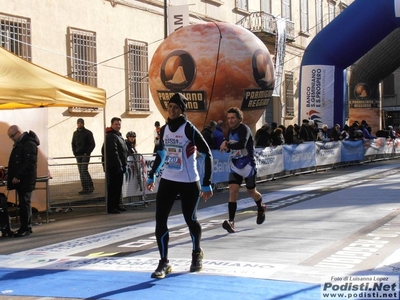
[[240, 145]]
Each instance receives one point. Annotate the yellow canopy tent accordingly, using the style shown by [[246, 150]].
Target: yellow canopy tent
[[26, 85]]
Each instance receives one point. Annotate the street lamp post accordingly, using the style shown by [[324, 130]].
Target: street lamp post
[[165, 20]]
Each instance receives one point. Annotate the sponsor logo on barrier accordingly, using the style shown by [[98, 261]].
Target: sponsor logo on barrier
[[220, 166]]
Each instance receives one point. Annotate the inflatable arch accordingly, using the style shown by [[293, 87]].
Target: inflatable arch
[[357, 30], [369, 71]]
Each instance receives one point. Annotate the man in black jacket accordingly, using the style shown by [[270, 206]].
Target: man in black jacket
[[22, 169], [207, 133], [82, 146], [116, 154]]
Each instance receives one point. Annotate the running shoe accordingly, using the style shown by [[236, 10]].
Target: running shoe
[[229, 226], [197, 261], [261, 215], [163, 269]]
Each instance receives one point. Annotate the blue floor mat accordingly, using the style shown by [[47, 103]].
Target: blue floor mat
[[118, 285]]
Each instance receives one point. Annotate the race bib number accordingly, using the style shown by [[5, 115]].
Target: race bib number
[[173, 160]]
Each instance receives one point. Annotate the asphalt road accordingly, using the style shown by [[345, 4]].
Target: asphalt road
[[312, 219]]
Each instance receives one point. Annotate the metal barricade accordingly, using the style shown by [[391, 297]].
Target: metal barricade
[[134, 189], [65, 185]]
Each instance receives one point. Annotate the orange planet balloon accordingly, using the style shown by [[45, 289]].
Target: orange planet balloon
[[216, 66]]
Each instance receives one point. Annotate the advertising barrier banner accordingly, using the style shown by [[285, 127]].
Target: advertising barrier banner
[[269, 160], [299, 156], [272, 160], [327, 153], [352, 150]]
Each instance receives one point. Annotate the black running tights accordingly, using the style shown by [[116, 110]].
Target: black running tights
[[189, 197]]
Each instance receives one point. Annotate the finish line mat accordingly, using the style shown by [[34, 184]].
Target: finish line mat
[[116, 285]]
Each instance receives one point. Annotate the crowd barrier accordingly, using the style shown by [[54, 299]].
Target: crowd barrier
[[272, 161]]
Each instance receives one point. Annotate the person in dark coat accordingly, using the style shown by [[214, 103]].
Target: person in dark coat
[[131, 143], [207, 133], [305, 132], [82, 146], [291, 136], [277, 137], [134, 157], [334, 133], [157, 129], [263, 136], [116, 154], [218, 135], [22, 173]]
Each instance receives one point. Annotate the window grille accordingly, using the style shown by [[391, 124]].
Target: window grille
[[82, 61], [15, 35], [289, 95], [82, 56], [138, 76]]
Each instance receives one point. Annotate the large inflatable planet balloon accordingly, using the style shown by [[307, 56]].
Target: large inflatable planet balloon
[[216, 66]]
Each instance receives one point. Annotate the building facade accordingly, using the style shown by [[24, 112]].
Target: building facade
[[110, 43], [391, 100]]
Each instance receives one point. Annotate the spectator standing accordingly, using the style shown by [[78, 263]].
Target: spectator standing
[[207, 134], [334, 133], [156, 136], [116, 153], [263, 136], [82, 146], [277, 138], [218, 135], [240, 145], [323, 134], [283, 129], [131, 143], [345, 132], [392, 133], [134, 158], [313, 127], [22, 173], [291, 136], [179, 143], [365, 131], [355, 133], [397, 132], [305, 132], [382, 133]]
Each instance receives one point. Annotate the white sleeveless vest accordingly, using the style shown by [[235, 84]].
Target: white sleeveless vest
[[180, 160]]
